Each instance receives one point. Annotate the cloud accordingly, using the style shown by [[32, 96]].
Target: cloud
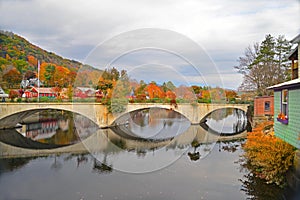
[[72, 28]]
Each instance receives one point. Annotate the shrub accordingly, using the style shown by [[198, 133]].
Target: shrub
[[34, 100], [268, 157], [204, 100], [44, 99], [13, 94], [117, 105]]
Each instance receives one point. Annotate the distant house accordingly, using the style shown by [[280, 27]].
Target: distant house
[[3, 94], [84, 92], [42, 92], [264, 106], [31, 83], [287, 103]]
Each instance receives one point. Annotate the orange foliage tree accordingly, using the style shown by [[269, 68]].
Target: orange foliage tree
[[13, 77], [154, 91], [268, 157], [32, 60], [56, 76], [170, 95], [230, 95], [47, 71], [61, 76]]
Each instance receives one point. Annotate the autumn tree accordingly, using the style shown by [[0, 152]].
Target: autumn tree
[[20, 65], [185, 92], [122, 86], [264, 64], [114, 84], [32, 60], [104, 85], [47, 71], [196, 89], [141, 89], [168, 86], [13, 77], [29, 74], [61, 76], [268, 157], [230, 95], [154, 91], [111, 74]]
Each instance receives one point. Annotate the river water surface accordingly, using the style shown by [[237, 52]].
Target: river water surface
[[149, 154]]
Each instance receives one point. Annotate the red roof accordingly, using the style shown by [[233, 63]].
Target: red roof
[[43, 90]]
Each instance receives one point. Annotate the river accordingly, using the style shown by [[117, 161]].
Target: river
[[149, 154]]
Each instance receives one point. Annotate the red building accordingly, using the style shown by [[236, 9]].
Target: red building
[[43, 92], [264, 105]]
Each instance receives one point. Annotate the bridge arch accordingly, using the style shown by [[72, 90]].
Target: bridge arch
[[13, 119], [239, 125], [217, 109], [124, 116]]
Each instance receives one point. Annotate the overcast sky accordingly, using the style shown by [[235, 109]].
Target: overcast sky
[[187, 41]]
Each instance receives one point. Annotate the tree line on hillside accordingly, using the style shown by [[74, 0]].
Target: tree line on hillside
[[19, 65], [18, 61]]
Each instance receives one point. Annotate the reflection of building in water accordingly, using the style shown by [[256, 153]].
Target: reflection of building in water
[[40, 130], [84, 126], [63, 124]]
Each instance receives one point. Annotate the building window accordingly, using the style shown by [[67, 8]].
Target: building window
[[284, 103], [267, 105]]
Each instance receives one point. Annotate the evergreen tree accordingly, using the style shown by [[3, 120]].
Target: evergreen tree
[[265, 65]]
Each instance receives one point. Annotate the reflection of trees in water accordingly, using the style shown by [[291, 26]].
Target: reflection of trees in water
[[220, 114], [256, 189], [194, 156], [140, 117], [229, 146], [240, 123], [82, 159], [11, 164], [56, 164], [141, 153], [116, 145], [153, 116], [236, 116], [102, 167]]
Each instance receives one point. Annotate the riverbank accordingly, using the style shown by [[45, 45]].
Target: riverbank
[[273, 160]]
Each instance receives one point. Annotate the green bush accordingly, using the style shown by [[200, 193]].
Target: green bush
[[44, 99], [117, 105], [204, 100], [34, 100]]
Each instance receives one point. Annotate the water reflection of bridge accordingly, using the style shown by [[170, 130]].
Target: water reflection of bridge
[[12, 113], [104, 140]]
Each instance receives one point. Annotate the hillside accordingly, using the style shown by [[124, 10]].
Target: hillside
[[19, 57]]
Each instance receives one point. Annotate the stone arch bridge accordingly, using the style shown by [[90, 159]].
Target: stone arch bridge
[[13, 113]]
